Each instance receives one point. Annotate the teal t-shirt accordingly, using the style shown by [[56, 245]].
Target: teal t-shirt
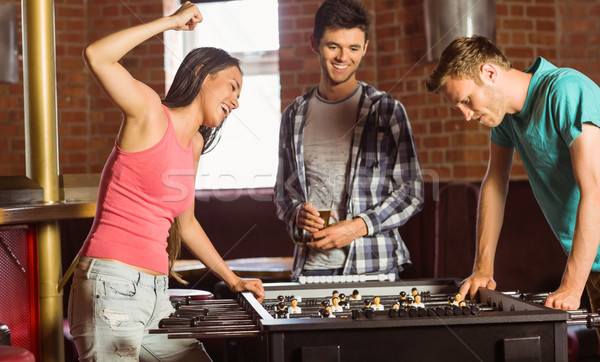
[[559, 101]]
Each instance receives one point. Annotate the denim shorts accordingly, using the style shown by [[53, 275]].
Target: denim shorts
[[111, 309]]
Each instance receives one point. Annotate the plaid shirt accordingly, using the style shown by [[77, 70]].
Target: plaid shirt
[[384, 183]]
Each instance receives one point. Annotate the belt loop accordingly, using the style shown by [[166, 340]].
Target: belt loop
[[89, 270]]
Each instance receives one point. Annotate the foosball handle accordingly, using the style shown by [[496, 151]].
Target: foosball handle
[[592, 321]]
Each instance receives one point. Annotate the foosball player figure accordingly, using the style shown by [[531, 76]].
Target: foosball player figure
[[355, 295], [367, 310], [449, 310], [393, 311], [457, 299], [344, 301], [328, 313], [325, 310], [280, 299], [324, 305], [451, 300], [335, 305], [414, 291], [410, 308], [458, 310], [281, 311], [417, 302], [377, 303], [294, 309], [334, 294], [402, 299]]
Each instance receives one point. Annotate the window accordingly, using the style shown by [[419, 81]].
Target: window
[[246, 155]]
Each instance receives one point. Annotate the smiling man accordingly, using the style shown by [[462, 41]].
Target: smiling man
[[551, 117], [356, 140]]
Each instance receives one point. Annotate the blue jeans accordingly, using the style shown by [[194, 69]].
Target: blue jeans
[[111, 309]]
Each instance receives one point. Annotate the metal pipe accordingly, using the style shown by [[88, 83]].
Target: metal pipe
[[41, 145]]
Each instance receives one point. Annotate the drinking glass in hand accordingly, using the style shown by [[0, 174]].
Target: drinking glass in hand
[[321, 198]]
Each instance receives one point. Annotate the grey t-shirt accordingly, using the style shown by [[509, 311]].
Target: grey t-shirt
[[328, 133]]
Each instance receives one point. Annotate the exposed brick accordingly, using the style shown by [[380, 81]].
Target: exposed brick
[[565, 32], [541, 11]]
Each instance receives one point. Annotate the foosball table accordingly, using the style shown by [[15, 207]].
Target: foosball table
[[340, 322]]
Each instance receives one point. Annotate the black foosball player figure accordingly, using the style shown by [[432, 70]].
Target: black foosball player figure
[[294, 309], [280, 299], [366, 309], [377, 303], [281, 311], [393, 311], [324, 305], [335, 305], [402, 299], [344, 301], [355, 295], [410, 308], [452, 300], [367, 304]]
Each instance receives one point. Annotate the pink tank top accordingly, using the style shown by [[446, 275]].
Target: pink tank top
[[140, 194]]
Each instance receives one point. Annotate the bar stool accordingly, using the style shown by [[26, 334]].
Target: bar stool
[[15, 354]]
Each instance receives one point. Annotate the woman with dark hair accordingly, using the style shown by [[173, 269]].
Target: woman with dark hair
[[146, 196]]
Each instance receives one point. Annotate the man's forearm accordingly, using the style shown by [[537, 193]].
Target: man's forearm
[[586, 239]]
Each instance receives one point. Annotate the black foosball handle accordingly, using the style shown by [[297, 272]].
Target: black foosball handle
[[593, 321], [176, 322]]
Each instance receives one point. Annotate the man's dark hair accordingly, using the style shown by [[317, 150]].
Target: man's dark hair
[[341, 14]]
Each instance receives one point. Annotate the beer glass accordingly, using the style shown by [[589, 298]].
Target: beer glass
[[321, 197]]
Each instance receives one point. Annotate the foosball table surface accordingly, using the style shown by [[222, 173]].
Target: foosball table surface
[[507, 326]]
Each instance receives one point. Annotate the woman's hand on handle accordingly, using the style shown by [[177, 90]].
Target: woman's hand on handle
[[250, 285]]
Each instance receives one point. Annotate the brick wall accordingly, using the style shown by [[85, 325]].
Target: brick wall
[[87, 120], [566, 32]]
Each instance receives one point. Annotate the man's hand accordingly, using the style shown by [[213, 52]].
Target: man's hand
[[308, 218], [563, 298], [473, 282], [339, 234]]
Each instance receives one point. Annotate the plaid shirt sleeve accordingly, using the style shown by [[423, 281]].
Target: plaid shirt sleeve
[[390, 187], [386, 186], [288, 190]]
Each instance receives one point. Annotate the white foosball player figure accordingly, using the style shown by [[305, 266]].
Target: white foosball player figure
[[294, 309], [417, 301], [377, 304], [335, 305]]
